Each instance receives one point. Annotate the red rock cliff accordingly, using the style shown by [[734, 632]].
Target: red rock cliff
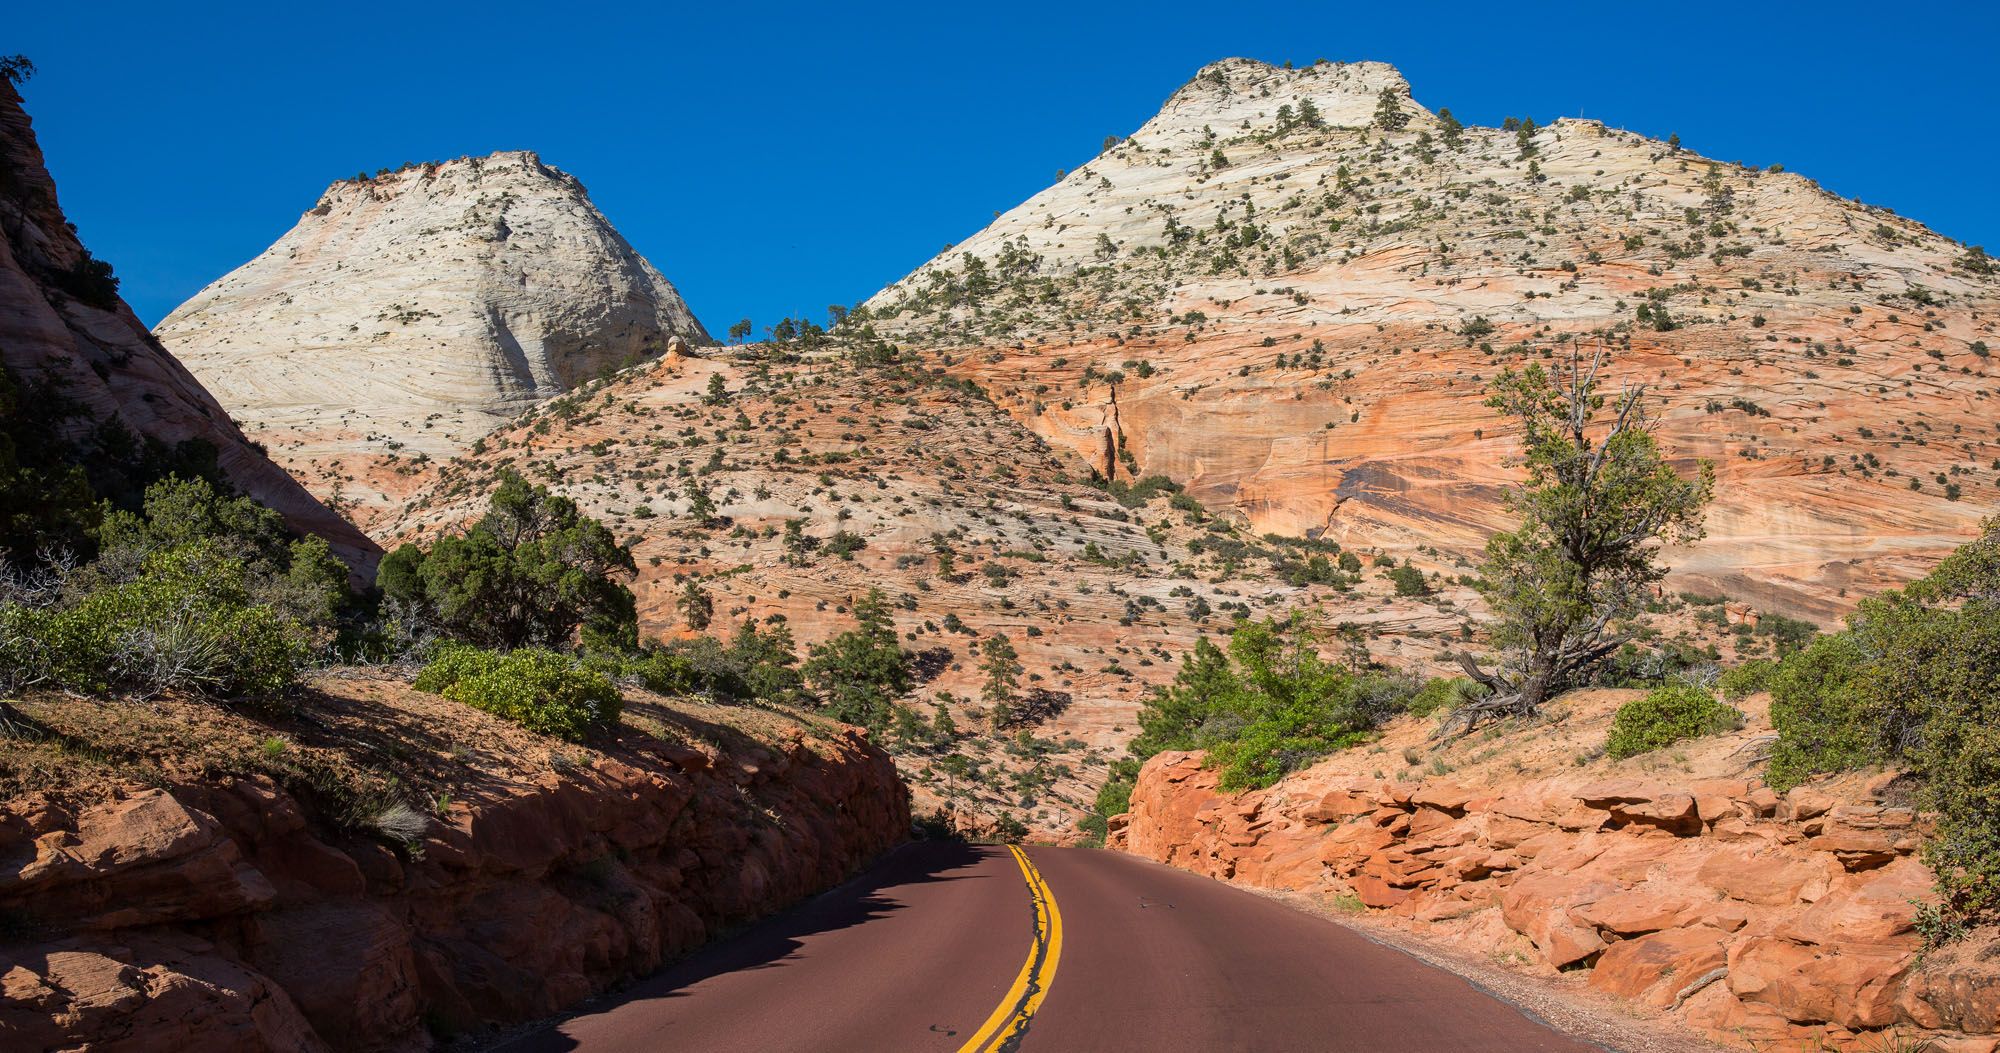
[[1679, 882]]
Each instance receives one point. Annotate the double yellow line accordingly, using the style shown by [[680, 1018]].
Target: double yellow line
[[1010, 1019]]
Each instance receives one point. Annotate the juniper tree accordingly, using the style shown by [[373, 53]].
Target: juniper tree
[[1598, 500], [530, 573]]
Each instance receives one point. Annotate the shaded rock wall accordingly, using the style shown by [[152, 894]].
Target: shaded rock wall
[[218, 916]]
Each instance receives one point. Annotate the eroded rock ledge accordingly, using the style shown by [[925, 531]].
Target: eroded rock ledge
[[219, 914], [1752, 916]]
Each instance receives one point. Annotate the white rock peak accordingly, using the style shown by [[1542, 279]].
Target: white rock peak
[[419, 309]]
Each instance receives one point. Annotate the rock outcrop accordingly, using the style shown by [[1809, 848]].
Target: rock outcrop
[[1298, 318], [234, 912], [61, 321], [409, 313], [1681, 884]]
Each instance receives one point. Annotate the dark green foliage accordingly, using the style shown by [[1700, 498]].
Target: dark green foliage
[[1389, 115], [1914, 681], [90, 280], [1409, 581], [1268, 706], [860, 673], [530, 573], [58, 465], [45, 498], [754, 665], [542, 691], [1666, 716]]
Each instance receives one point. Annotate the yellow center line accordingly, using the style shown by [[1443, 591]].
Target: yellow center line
[[1010, 1019]]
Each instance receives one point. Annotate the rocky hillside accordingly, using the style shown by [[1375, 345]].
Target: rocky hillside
[[1674, 882], [1288, 290], [884, 468], [63, 325], [387, 869], [410, 312]]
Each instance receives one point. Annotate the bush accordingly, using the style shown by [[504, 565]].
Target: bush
[[1665, 716], [1409, 581], [662, 672], [1911, 682], [540, 690], [1747, 679], [186, 622], [1440, 693], [1269, 706], [1826, 721]]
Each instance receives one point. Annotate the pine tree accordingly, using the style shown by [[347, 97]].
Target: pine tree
[[860, 673], [697, 610], [1001, 681], [1389, 115], [1450, 129]]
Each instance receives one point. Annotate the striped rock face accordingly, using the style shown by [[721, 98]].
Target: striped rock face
[[1299, 320], [408, 314]]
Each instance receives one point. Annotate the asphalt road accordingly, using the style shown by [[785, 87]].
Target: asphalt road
[[971, 948]]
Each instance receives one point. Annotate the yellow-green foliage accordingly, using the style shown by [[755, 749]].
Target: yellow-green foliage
[[540, 690]]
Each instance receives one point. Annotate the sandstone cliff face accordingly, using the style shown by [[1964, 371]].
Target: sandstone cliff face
[[409, 313], [1675, 880], [233, 911], [54, 323], [1300, 323]]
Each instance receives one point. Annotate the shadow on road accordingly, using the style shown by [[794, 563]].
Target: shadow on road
[[770, 943]]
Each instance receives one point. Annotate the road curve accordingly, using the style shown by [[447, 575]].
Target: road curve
[[965, 948]]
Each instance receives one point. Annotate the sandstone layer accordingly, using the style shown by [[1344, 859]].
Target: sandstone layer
[[1299, 321], [60, 321], [894, 467], [271, 886], [409, 313], [1675, 880]]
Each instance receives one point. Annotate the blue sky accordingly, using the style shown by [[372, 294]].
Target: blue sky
[[772, 159]]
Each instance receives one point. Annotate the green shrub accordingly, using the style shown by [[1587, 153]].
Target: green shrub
[[1826, 722], [1439, 693], [1665, 716], [1747, 679], [185, 622], [662, 672], [1914, 681], [1268, 706], [532, 572], [540, 690], [1409, 581]]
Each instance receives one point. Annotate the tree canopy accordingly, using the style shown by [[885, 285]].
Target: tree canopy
[[531, 573]]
